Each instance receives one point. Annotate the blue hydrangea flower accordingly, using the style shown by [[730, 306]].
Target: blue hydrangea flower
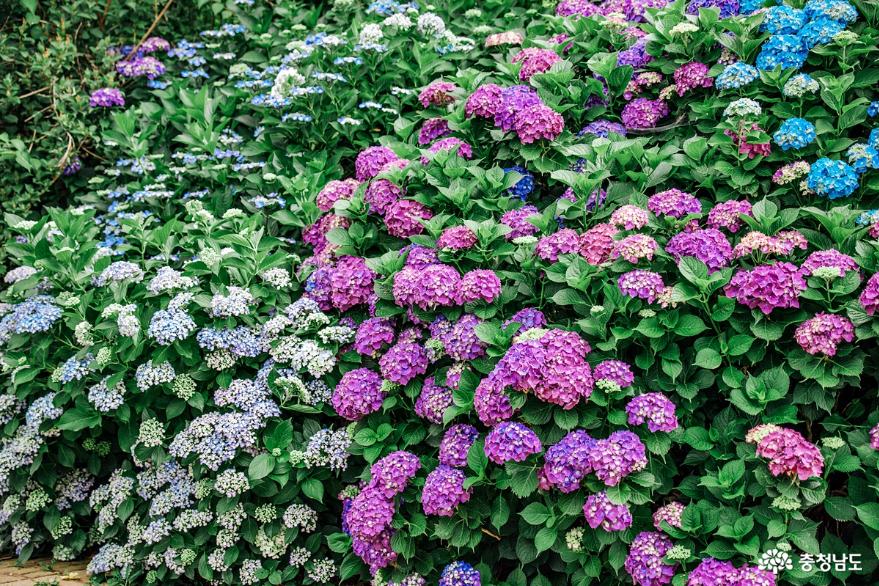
[[794, 133], [750, 6], [873, 109], [459, 574], [862, 157], [736, 75], [838, 10], [524, 186], [788, 51], [820, 32], [832, 179], [783, 20]]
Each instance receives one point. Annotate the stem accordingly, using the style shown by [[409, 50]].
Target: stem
[[149, 30]]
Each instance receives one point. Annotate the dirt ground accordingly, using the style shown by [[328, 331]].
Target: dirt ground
[[42, 573]]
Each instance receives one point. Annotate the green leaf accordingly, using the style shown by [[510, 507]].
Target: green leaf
[[708, 358], [739, 344], [690, 325], [261, 466], [79, 418], [545, 539], [868, 513], [313, 489], [536, 514]]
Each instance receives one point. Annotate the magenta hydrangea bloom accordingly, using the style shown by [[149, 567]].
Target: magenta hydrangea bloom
[[566, 463], [641, 284], [709, 246], [517, 221], [375, 553], [823, 333], [615, 371], [456, 238], [527, 317], [576, 8], [456, 444], [869, 299], [380, 194], [670, 513], [484, 101], [511, 441], [460, 340], [370, 161], [712, 572], [754, 576], [691, 76], [553, 367], [538, 122], [614, 458], [513, 100], [645, 564], [358, 394], [391, 474], [435, 285], [335, 191], [490, 401], [106, 97], [655, 409], [403, 218], [433, 401], [565, 241], [643, 113], [451, 144], [479, 284], [418, 256], [535, 60], [432, 129], [370, 514], [351, 282], [767, 287], [674, 203], [830, 258], [874, 437], [791, 454], [444, 491], [635, 247], [437, 93], [597, 243], [403, 362], [373, 335], [727, 215], [600, 512]]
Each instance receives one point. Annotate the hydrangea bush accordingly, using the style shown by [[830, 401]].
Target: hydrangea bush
[[579, 305]]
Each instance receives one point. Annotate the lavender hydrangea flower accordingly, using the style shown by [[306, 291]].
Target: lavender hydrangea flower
[[614, 458], [403, 362], [392, 474], [709, 246], [106, 97], [615, 371], [673, 203], [600, 512], [444, 491], [433, 401], [373, 335], [456, 444], [372, 160], [645, 564], [641, 284], [479, 285], [511, 442], [566, 463], [358, 394]]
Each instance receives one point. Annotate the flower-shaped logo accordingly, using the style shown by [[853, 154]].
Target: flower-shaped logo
[[775, 561]]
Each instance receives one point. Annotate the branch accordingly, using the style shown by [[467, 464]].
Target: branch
[[147, 34]]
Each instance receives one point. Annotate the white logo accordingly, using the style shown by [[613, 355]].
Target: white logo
[[775, 561]]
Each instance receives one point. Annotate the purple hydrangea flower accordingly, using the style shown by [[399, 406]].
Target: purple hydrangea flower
[[391, 474], [600, 512], [566, 463], [644, 564], [444, 491], [373, 335], [456, 444], [479, 284], [460, 574], [358, 394], [823, 333], [615, 371], [641, 284], [484, 102], [403, 362], [621, 454], [511, 442], [433, 401], [767, 287], [655, 409], [709, 246], [372, 160], [673, 203], [106, 97]]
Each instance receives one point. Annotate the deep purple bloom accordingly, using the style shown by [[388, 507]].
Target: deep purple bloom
[[511, 442]]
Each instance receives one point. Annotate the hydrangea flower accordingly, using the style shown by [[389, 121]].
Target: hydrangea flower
[[832, 179], [790, 454], [736, 76], [358, 394], [823, 333], [601, 512], [645, 564], [511, 442], [794, 133], [767, 287], [444, 491], [655, 409]]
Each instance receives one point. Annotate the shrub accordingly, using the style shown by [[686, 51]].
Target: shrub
[[474, 345]]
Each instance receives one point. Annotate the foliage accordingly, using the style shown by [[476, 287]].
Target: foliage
[[442, 328]]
